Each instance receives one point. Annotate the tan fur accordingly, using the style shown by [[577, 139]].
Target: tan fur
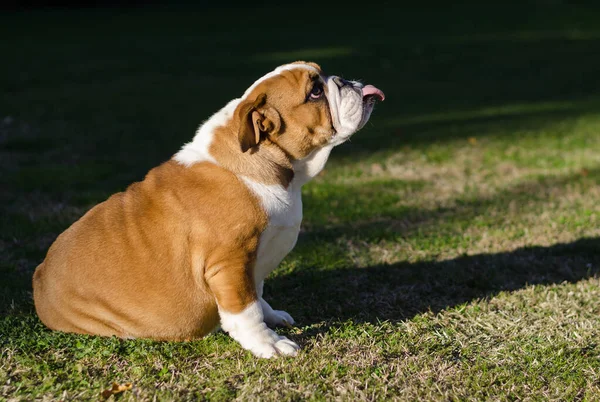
[[150, 261], [154, 260]]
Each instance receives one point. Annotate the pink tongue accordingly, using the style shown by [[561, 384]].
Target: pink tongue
[[371, 90]]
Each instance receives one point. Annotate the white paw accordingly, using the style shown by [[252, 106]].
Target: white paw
[[281, 346], [249, 328], [279, 318], [286, 347]]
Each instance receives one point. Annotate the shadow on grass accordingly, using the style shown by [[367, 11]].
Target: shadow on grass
[[149, 92], [400, 291]]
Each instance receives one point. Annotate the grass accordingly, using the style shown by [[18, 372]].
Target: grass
[[450, 251]]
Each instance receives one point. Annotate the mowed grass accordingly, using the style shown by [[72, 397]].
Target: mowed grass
[[450, 251]]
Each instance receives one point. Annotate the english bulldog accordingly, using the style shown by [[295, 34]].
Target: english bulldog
[[188, 248]]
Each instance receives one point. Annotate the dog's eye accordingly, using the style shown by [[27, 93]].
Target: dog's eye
[[317, 91]]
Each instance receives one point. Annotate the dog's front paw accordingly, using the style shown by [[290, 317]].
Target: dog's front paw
[[280, 346], [250, 329], [278, 318]]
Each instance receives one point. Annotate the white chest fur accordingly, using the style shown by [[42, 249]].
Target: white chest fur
[[284, 211]]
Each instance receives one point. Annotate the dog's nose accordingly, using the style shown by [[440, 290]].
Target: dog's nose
[[340, 82]]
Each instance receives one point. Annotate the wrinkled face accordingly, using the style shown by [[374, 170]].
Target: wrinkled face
[[300, 109]]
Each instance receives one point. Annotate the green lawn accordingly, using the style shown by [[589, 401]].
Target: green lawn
[[450, 251]]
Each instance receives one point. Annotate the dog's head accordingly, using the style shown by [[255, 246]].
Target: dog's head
[[300, 109]]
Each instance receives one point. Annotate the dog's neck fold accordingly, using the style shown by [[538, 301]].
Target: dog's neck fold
[[216, 141], [266, 163]]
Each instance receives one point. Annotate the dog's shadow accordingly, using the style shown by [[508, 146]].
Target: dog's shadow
[[400, 291]]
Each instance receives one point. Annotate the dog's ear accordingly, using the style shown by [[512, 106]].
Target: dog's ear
[[255, 119]]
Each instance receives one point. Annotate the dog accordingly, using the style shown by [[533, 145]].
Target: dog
[[188, 248]]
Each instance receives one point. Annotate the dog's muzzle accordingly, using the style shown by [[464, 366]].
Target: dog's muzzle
[[351, 104]]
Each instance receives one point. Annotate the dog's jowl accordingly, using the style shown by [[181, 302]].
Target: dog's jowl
[[188, 248]]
